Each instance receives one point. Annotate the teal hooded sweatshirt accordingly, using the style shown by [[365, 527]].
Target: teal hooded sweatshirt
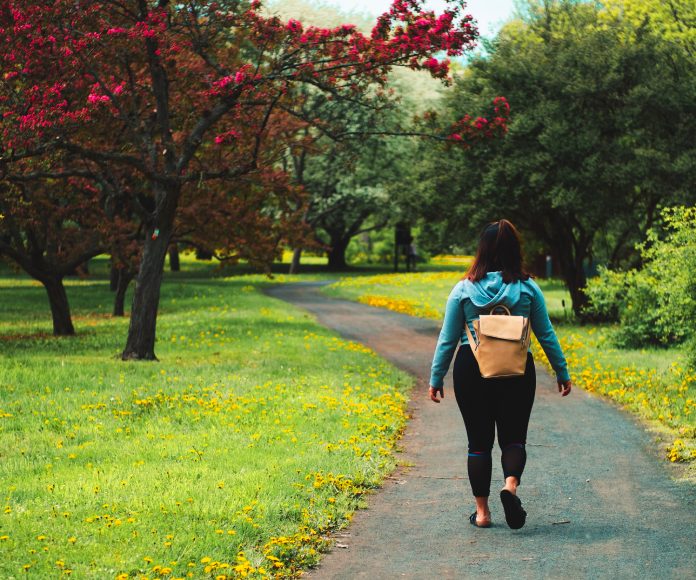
[[468, 300]]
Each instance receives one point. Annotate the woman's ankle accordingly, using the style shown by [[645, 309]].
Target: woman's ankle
[[482, 509], [511, 484]]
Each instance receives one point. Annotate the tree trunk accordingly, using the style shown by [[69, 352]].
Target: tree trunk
[[174, 262], [574, 276], [114, 274], [579, 299], [337, 254], [124, 279], [140, 344], [60, 308], [295, 264]]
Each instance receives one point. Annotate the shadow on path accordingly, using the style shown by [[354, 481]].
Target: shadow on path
[[588, 464]]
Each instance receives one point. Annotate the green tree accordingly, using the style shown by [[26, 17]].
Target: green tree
[[601, 136], [352, 163]]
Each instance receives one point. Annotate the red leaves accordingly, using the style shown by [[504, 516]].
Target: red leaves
[[227, 137], [176, 92], [65, 42], [243, 76], [294, 26], [408, 33], [468, 130]]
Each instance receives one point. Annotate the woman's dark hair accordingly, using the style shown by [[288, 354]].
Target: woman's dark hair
[[499, 250]]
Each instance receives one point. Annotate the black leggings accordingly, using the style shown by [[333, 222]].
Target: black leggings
[[487, 403]]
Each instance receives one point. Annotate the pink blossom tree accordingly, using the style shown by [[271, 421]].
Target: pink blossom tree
[[183, 95]]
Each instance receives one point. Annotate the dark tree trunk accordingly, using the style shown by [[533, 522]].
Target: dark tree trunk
[[579, 299], [573, 273], [124, 279], [114, 274], [140, 344], [295, 264], [337, 253], [60, 308], [174, 262]]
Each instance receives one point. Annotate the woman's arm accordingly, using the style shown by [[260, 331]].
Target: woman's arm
[[450, 336], [543, 330]]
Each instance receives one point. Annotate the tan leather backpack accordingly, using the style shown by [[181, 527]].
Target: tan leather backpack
[[501, 343]]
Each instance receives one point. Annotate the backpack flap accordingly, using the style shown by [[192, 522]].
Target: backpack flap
[[502, 327]]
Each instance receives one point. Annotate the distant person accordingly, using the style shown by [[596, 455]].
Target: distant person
[[496, 277]]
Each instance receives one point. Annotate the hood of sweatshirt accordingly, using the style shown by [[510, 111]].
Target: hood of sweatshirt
[[491, 290]]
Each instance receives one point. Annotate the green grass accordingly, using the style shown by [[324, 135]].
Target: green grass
[[650, 383], [256, 434]]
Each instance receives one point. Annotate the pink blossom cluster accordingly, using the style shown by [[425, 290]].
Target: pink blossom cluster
[[469, 130], [227, 137], [224, 85]]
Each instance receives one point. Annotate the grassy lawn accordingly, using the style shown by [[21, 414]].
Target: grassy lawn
[[256, 434], [651, 383]]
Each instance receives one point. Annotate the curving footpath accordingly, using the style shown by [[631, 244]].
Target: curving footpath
[[599, 502]]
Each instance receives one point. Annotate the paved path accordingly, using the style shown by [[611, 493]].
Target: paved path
[[589, 464]]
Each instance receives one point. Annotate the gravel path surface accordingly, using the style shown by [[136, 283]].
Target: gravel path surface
[[599, 503]]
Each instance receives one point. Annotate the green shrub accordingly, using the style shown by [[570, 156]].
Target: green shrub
[[607, 294], [656, 304]]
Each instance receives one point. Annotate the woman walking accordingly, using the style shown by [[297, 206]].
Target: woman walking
[[496, 277]]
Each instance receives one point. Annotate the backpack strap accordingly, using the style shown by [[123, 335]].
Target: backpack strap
[[472, 342]]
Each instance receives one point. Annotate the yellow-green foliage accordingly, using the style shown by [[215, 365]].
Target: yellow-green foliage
[[657, 303], [256, 434], [673, 21]]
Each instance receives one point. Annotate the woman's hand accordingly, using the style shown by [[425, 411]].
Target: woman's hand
[[564, 387], [434, 391]]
